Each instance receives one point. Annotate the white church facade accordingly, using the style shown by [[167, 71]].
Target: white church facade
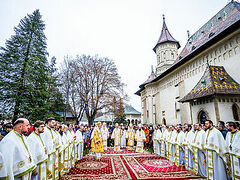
[[202, 81]]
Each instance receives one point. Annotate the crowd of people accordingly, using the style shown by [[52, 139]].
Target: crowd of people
[[207, 150], [48, 150]]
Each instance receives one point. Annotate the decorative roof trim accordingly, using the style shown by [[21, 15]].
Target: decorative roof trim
[[214, 81], [165, 36], [228, 30]]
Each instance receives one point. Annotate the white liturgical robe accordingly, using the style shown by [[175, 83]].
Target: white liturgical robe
[[156, 141], [116, 136], [164, 143], [3, 170], [123, 139], [233, 146], [140, 138], [79, 145], [19, 161], [199, 153], [105, 135], [39, 154], [216, 149], [180, 152], [49, 142]]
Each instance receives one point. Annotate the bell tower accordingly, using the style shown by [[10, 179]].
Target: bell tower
[[166, 49]]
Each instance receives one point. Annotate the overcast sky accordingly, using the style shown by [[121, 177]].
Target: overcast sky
[[123, 30]]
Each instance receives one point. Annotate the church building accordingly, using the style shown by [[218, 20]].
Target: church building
[[202, 81]]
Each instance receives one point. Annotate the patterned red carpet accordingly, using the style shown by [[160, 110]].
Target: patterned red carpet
[[127, 165]]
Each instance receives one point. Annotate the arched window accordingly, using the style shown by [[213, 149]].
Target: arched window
[[172, 54], [235, 111], [158, 59], [164, 121], [202, 117]]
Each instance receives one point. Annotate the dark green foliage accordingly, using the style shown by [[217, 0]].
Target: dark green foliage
[[121, 119], [56, 98], [24, 71], [119, 115]]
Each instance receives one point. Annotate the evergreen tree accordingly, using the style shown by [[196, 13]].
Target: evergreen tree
[[24, 71], [56, 98], [119, 115]]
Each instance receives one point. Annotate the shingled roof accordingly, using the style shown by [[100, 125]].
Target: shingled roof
[[150, 78], [165, 36], [215, 81], [217, 24], [129, 110], [226, 21]]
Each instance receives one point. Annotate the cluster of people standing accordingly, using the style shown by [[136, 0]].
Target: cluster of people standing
[[207, 150], [51, 149], [49, 152], [121, 137]]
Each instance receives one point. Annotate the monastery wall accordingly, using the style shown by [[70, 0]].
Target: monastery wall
[[178, 83]]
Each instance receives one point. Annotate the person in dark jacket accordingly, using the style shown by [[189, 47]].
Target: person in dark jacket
[[221, 127]]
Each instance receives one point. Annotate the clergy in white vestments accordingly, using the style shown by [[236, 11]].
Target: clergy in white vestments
[[71, 137], [140, 138], [49, 141], [168, 143], [163, 142], [156, 140], [79, 145], [66, 147], [123, 137], [105, 135], [3, 170], [130, 136], [172, 142], [199, 153], [116, 136], [179, 161], [189, 153], [38, 150], [216, 149], [14, 148], [57, 138], [233, 146], [61, 151]]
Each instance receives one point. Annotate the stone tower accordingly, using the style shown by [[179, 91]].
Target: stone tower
[[166, 49]]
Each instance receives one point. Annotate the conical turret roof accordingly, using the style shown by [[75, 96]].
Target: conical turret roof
[[165, 36]]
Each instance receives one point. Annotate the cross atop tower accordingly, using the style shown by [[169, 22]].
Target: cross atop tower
[[165, 49]]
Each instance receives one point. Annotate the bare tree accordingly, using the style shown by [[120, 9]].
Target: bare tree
[[69, 88], [96, 83]]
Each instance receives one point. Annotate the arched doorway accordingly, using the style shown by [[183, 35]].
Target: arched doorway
[[202, 117], [235, 111]]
